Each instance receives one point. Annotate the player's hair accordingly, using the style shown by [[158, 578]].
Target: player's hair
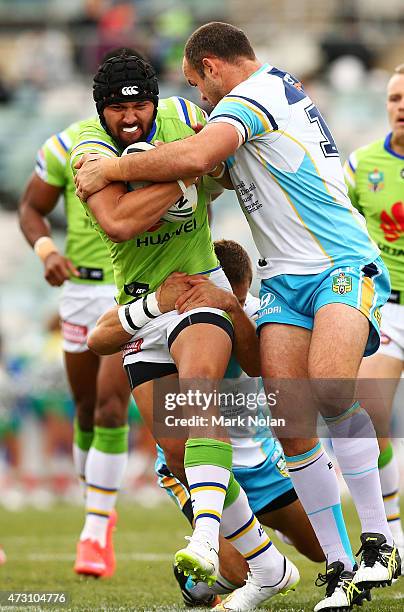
[[217, 39], [399, 69], [234, 260]]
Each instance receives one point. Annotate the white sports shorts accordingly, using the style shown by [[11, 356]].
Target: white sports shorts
[[80, 308], [151, 343], [392, 331]]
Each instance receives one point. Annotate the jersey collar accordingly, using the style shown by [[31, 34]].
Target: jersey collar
[[387, 146], [152, 132], [260, 69]]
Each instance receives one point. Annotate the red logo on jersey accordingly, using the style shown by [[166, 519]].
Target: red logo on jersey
[[393, 225]]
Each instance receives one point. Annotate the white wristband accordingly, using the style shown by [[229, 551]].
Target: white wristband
[[182, 186], [44, 246], [134, 316]]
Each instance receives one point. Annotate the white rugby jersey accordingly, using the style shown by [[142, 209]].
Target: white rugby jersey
[[289, 180]]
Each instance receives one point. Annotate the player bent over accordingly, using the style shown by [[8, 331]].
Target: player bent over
[[144, 250]]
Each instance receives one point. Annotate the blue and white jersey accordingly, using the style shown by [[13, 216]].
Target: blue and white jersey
[[289, 180], [251, 444]]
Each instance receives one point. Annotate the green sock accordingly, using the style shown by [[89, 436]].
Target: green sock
[[111, 440], [82, 439]]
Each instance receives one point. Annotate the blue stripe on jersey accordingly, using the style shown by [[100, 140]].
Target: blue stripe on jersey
[[184, 108], [152, 132], [387, 146], [39, 163], [238, 121], [262, 109], [62, 143], [101, 142], [351, 166], [330, 223], [293, 91]]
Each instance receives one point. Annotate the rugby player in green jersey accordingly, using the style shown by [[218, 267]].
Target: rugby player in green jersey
[[194, 346], [99, 386], [375, 179]]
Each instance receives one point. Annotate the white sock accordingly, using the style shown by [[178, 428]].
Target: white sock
[[104, 473], [357, 451], [241, 527], [315, 482], [207, 487], [390, 483]]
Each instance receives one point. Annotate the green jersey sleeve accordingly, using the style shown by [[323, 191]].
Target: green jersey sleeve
[[350, 168], [53, 157], [92, 139]]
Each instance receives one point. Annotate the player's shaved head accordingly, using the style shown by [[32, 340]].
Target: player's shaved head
[[217, 39]]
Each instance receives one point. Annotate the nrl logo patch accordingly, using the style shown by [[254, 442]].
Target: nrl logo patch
[[342, 283], [375, 179]]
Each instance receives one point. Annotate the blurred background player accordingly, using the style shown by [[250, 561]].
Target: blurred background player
[[99, 386], [375, 179]]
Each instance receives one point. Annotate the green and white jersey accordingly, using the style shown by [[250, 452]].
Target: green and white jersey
[[142, 263], [84, 247], [375, 178]]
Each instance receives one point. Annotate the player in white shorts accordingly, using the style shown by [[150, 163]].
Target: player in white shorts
[[375, 179]]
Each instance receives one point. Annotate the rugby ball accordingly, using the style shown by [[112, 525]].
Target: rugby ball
[[183, 208]]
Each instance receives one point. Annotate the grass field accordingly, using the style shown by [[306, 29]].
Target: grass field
[[40, 549]]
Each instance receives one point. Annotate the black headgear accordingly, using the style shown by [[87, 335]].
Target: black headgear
[[124, 79]]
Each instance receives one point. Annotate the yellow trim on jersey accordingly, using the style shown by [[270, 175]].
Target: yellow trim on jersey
[[56, 143], [242, 533], [312, 161], [263, 162], [82, 148], [191, 112], [268, 127]]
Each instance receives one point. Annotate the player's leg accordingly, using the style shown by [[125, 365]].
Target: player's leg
[[383, 365], [106, 461], [293, 525], [309, 466], [335, 359], [82, 370], [208, 454]]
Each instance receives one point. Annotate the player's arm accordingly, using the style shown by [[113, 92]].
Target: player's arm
[[246, 345], [194, 156], [124, 214], [109, 335], [38, 200]]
